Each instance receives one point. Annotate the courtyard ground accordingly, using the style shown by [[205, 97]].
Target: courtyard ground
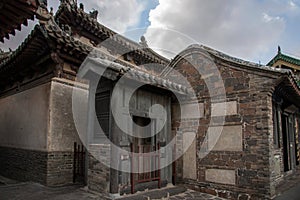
[[13, 190]]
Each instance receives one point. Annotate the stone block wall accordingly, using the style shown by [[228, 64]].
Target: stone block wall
[[237, 164]]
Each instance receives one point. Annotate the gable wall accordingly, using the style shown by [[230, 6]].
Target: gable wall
[[238, 165]]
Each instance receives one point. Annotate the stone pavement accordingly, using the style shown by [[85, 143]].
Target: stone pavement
[[290, 188], [190, 194], [171, 193], [13, 190]]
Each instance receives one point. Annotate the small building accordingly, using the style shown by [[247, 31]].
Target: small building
[[209, 121], [286, 62]]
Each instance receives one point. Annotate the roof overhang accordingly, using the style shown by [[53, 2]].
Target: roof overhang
[[15, 13], [114, 71], [289, 90]]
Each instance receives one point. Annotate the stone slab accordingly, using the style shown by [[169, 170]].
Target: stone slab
[[195, 110], [226, 138], [221, 176], [224, 108], [189, 157]]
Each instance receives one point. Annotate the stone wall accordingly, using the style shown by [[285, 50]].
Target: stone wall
[[233, 158]]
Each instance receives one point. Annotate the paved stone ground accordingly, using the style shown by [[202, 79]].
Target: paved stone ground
[[13, 190], [171, 193], [290, 189], [190, 194]]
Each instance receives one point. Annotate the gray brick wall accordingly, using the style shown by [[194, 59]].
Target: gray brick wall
[[23, 165], [47, 168], [252, 92]]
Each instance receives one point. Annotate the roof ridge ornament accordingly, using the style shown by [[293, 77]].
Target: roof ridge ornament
[[42, 13], [143, 41], [279, 49], [93, 14]]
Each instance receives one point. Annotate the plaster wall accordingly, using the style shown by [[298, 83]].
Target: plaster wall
[[24, 119]]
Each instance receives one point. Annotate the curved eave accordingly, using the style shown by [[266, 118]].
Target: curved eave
[[67, 12], [30, 49], [15, 13]]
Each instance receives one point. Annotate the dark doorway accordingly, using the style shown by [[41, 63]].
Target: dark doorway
[[289, 144]]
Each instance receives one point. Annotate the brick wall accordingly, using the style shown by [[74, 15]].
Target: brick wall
[[241, 170], [59, 168], [98, 172], [23, 165], [47, 168]]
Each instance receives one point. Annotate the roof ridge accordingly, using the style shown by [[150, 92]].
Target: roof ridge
[[228, 58], [131, 44]]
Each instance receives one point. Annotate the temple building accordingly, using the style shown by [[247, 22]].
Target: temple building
[[80, 103]]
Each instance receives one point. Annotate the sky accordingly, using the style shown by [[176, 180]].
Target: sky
[[250, 30]]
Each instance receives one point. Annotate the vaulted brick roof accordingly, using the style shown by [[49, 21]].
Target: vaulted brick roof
[[226, 58], [286, 79]]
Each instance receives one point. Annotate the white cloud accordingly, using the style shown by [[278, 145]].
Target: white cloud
[[292, 4], [244, 29], [118, 15]]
